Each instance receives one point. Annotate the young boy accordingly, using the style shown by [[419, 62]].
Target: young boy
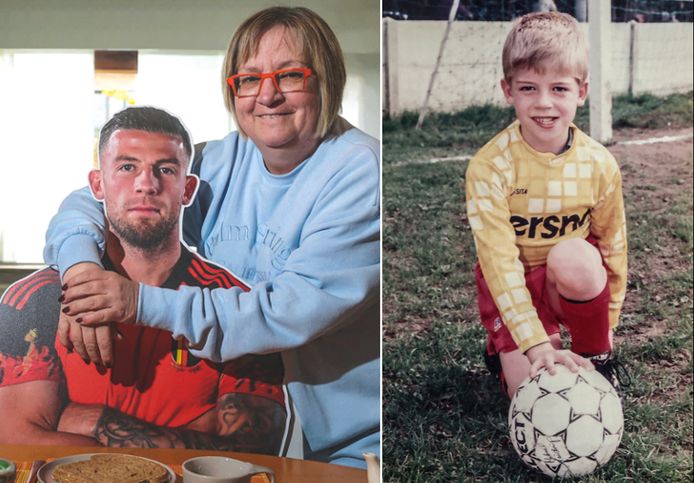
[[544, 202]]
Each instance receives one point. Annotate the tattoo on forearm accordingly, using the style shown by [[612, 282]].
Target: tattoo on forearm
[[119, 430], [245, 423], [254, 424]]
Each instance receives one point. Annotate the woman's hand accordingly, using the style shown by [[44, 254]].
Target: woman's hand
[[90, 343], [94, 296], [544, 355], [93, 344]]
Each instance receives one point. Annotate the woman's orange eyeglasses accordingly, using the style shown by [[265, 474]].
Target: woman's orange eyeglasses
[[285, 80]]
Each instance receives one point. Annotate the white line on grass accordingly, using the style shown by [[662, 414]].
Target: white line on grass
[[464, 157], [662, 139], [467, 157]]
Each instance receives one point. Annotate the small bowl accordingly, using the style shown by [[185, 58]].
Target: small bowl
[[220, 469], [7, 471]]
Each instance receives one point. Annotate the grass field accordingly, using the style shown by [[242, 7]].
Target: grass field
[[450, 134], [444, 417]]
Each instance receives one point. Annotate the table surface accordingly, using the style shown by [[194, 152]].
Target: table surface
[[287, 470]]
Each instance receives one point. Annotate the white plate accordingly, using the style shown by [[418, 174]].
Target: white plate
[[46, 471]]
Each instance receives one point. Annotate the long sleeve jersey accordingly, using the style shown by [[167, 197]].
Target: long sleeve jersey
[[520, 203], [308, 243]]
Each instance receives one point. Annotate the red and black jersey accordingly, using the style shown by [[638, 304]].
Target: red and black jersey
[[154, 377]]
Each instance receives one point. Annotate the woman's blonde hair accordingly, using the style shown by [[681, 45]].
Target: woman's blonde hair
[[544, 40], [316, 41]]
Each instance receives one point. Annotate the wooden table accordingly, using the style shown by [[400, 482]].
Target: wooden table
[[287, 470]]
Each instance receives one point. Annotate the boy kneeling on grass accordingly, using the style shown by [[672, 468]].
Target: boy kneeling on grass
[[544, 202]]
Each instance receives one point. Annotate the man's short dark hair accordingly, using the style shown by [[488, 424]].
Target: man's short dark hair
[[148, 119]]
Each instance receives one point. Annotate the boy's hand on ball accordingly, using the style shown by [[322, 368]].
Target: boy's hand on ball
[[544, 355]]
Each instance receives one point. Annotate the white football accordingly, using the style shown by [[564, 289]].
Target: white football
[[567, 424]]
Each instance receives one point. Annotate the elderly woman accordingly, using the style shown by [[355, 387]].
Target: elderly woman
[[290, 203]]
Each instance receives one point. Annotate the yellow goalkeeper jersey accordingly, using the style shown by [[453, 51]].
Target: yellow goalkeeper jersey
[[521, 202]]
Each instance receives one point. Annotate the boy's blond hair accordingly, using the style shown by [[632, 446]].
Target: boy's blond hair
[[544, 40]]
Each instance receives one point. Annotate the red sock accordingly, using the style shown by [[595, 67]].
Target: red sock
[[588, 323]]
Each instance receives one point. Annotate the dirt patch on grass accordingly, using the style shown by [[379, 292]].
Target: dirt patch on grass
[[634, 134], [654, 175], [641, 334], [663, 168]]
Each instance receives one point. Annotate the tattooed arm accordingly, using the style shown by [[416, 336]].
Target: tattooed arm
[[244, 423], [255, 424]]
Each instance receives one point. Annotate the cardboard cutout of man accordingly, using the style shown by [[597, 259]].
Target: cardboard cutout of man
[[155, 394]]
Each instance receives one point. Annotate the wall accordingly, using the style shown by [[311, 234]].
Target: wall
[[665, 65], [188, 26], [166, 24], [470, 67]]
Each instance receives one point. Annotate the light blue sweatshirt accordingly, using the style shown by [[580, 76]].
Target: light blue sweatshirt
[[309, 244]]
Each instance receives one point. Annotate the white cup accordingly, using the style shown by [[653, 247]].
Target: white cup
[[220, 469]]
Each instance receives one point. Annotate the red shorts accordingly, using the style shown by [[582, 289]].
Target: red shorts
[[498, 337]]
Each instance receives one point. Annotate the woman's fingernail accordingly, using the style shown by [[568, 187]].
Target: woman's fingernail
[[66, 310], [64, 287], [78, 320], [61, 298]]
